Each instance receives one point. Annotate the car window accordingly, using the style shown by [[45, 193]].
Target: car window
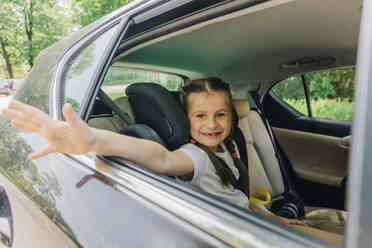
[[118, 78], [291, 90], [82, 70], [330, 93]]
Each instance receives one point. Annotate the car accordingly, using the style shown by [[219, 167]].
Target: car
[[4, 87], [263, 49]]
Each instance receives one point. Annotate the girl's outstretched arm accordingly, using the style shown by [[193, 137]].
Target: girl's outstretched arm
[[74, 136]]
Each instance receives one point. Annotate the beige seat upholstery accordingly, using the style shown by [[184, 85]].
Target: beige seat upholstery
[[264, 170], [115, 123], [263, 167]]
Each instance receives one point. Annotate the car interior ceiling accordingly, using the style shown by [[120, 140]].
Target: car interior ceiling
[[253, 47]]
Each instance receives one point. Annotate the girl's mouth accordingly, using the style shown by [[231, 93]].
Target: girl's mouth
[[212, 134]]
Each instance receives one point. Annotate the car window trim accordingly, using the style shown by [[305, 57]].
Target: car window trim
[[359, 196], [307, 95], [57, 86]]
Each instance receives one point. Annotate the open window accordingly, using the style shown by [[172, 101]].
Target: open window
[[326, 94]]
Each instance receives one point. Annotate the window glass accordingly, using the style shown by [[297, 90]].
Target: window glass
[[118, 78], [291, 90], [82, 69], [332, 93]]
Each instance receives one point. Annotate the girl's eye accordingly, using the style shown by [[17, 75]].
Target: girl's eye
[[220, 114], [200, 116]]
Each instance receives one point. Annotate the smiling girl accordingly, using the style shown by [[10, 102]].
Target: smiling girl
[[210, 161]]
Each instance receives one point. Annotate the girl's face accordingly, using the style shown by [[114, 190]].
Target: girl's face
[[210, 117]]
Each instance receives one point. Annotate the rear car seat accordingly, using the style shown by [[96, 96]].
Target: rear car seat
[[264, 169], [113, 123]]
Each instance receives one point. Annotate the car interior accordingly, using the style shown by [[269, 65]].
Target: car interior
[[300, 160]]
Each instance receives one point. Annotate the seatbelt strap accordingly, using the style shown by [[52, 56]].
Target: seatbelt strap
[[107, 100], [289, 190], [266, 123]]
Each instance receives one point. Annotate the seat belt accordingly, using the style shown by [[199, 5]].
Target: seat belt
[[107, 100], [290, 192]]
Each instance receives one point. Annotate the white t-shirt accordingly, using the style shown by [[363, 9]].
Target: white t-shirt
[[206, 178]]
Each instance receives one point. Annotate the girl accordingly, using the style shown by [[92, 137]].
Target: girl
[[210, 161]]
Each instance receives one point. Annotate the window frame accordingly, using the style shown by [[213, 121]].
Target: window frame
[[306, 91]]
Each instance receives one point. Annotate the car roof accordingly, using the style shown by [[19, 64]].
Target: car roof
[[260, 44]]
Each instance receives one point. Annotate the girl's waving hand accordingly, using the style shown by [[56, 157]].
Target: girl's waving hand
[[73, 136]]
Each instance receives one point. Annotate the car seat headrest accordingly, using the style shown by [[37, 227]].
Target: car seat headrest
[[156, 107], [242, 107]]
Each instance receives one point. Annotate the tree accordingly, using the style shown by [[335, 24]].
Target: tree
[[29, 26], [41, 24], [87, 11], [7, 23]]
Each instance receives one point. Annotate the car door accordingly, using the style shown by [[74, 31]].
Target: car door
[[310, 115]]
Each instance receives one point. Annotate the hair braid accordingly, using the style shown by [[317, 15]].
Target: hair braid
[[226, 175], [243, 182]]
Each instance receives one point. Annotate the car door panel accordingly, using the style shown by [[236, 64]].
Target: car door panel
[[314, 151], [314, 157]]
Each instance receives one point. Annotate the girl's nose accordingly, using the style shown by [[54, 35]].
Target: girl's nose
[[212, 124]]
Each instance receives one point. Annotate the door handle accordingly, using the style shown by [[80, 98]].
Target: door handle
[[6, 219], [346, 141]]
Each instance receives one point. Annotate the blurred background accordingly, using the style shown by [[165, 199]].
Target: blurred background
[[29, 26]]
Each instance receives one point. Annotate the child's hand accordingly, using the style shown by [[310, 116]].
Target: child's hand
[[288, 222], [73, 136]]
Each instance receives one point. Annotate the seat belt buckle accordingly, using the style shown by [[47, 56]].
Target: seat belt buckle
[[261, 196]]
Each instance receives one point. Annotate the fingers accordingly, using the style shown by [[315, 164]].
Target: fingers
[[295, 222], [24, 126], [300, 223], [70, 116], [25, 113], [45, 151], [28, 110]]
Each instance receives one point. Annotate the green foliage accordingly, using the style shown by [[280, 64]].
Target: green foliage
[[290, 88], [332, 84], [321, 88], [331, 93], [120, 76], [87, 11], [325, 108], [329, 84], [29, 27]]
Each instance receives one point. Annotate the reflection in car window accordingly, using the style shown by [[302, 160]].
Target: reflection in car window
[[292, 92], [81, 71], [118, 78]]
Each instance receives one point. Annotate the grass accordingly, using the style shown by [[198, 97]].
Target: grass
[[113, 96], [325, 108]]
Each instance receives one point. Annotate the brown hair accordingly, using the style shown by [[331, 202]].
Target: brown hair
[[227, 177]]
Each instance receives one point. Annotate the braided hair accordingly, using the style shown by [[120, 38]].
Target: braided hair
[[227, 177]]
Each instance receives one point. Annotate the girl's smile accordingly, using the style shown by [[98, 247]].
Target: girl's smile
[[210, 117]]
